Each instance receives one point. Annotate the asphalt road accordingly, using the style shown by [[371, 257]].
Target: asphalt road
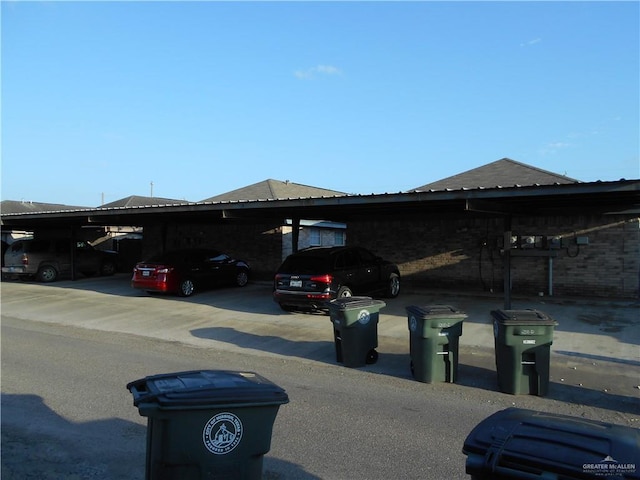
[[69, 350]]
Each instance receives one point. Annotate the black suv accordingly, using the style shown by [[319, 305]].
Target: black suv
[[312, 277]]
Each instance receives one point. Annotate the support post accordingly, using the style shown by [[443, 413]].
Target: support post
[[295, 234], [506, 263]]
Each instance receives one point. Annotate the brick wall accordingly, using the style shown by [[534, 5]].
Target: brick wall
[[466, 252], [462, 252]]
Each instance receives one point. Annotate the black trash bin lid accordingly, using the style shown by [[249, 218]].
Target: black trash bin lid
[[436, 311], [518, 443], [522, 317], [215, 388]]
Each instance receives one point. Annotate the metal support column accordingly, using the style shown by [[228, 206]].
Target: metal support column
[[295, 234], [506, 263]]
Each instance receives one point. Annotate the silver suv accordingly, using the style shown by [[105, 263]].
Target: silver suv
[[46, 260]]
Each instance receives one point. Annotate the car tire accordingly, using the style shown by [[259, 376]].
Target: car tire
[[344, 292], [242, 277], [47, 274], [108, 268], [186, 288], [393, 286], [286, 308]]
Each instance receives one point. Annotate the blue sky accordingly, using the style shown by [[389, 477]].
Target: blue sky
[[99, 100]]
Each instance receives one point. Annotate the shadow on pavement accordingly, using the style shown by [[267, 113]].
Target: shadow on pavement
[[477, 373], [599, 358], [38, 443], [320, 351]]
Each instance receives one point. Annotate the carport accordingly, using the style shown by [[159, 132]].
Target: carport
[[559, 200]]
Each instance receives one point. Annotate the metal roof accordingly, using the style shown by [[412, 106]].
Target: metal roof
[[621, 196]]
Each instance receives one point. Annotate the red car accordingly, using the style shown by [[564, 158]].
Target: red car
[[187, 271]]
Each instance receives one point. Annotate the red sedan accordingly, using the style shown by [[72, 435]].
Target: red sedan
[[187, 271]]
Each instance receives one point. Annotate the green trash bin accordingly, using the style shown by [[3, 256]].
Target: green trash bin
[[355, 329], [434, 337], [523, 341], [207, 424]]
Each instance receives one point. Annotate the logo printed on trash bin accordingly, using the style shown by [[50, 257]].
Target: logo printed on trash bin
[[413, 322], [364, 316], [222, 433]]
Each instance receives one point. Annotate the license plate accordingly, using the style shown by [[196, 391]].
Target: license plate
[[13, 269], [146, 273], [295, 283]]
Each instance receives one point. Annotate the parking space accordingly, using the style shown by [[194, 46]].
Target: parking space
[[248, 318]]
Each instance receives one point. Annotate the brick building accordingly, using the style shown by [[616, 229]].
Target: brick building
[[505, 223]]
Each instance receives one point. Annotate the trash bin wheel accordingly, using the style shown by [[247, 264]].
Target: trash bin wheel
[[372, 356]]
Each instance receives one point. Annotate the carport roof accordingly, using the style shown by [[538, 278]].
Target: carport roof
[[621, 197], [504, 187]]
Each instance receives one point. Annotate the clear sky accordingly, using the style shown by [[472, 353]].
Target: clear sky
[[99, 100]]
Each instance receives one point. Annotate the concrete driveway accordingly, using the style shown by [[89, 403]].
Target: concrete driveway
[[596, 344]]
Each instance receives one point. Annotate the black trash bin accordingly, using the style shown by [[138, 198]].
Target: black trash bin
[[523, 341], [434, 337], [207, 424], [526, 444], [355, 329]]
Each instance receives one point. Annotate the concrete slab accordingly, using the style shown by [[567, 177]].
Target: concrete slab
[[596, 344]]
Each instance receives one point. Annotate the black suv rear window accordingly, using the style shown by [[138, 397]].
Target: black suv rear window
[[304, 264]]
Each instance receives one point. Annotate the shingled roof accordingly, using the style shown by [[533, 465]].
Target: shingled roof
[[272, 190], [136, 201], [15, 206], [501, 173]]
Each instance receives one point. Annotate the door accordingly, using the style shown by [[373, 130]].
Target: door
[[370, 270]]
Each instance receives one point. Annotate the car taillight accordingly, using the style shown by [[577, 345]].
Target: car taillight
[[322, 279], [25, 259]]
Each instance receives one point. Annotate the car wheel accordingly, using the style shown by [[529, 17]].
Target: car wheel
[[242, 277], [108, 268], [186, 288], [393, 287], [345, 292], [286, 308], [47, 274]]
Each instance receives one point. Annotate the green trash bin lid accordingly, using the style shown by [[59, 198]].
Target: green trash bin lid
[[436, 312], [213, 388], [355, 303], [522, 317]]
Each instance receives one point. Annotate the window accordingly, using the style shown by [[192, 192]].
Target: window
[[338, 237], [314, 237]]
